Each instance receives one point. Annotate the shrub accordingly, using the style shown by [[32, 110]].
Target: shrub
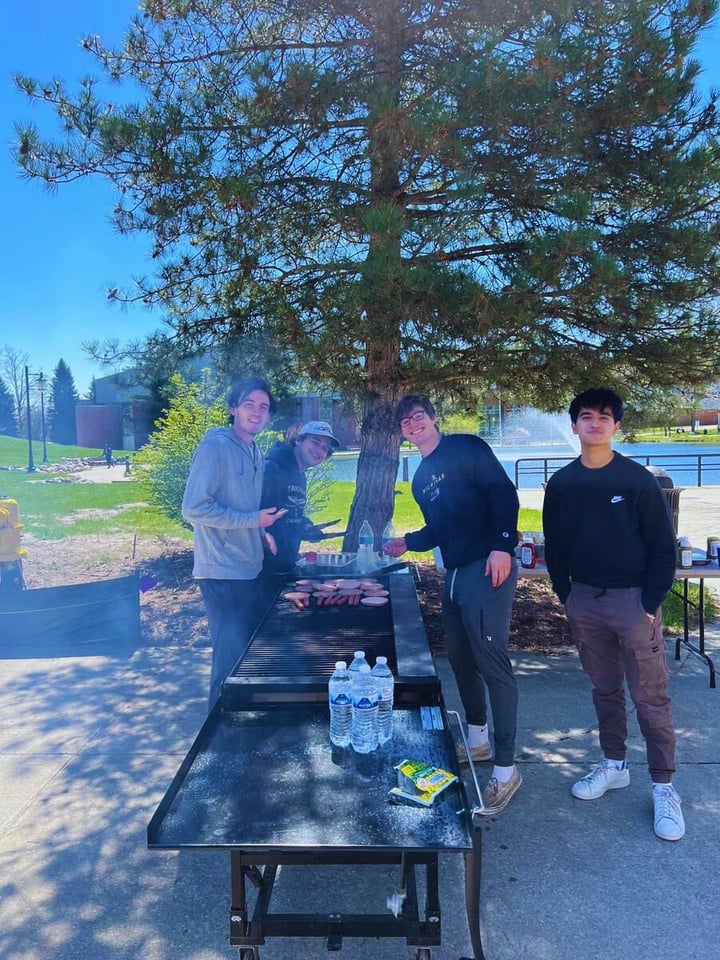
[[164, 462], [165, 459]]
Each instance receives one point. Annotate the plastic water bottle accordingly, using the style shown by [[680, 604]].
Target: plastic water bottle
[[387, 534], [340, 701], [366, 543], [357, 662], [365, 711], [386, 688]]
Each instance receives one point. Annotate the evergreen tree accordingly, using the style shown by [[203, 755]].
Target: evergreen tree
[[413, 195], [8, 420], [63, 400]]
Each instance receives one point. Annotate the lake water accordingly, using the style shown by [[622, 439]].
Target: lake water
[[680, 460]]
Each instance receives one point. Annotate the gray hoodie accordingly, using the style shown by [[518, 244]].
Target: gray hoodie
[[222, 501]]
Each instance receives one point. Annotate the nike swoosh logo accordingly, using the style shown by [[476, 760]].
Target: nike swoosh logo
[[617, 499]]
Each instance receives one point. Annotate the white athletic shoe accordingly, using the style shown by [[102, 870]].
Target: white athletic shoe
[[603, 777], [669, 823]]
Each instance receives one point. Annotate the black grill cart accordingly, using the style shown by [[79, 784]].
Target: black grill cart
[[263, 782]]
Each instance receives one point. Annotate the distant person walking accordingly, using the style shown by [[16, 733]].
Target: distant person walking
[[470, 508], [610, 552], [107, 453], [222, 502]]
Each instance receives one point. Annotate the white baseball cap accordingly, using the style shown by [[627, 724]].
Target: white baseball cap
[[318, 428]]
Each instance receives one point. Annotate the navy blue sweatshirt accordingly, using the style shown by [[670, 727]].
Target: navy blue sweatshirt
[[469, 503], [609, 527], [285, 487]]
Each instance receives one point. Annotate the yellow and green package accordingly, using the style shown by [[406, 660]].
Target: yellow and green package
[[420, 782]]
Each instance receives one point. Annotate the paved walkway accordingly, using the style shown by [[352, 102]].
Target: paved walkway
[[105, 474], [89, 744]]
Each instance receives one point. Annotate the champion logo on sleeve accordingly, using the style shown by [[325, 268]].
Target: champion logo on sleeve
[[617, 499]]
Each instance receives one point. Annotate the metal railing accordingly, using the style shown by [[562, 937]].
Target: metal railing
[[703, 466]]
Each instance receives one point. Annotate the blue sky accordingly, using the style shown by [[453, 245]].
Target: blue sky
[[60, 252]]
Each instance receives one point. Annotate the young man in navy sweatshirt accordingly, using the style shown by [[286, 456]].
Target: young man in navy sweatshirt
[[470, 508], [610, 552]]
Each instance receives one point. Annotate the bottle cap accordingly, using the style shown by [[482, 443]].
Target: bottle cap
[[380, 659], [359, 653], [341, 665]]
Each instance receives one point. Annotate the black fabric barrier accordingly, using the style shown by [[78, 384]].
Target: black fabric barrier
[[81, 615]]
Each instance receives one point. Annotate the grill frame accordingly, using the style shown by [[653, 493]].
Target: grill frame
[[233, 751]]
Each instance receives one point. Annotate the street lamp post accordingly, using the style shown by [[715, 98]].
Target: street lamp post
[[31, 461], [42, 383]]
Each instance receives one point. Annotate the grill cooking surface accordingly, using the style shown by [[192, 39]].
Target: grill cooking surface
[[296, 650], [291, 642]]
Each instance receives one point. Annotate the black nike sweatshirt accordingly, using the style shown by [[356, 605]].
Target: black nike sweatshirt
[[609, 527]]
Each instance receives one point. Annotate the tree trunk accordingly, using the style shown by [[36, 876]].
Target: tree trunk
[[374, 498]]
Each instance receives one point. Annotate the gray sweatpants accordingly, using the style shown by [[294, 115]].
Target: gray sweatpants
[[476, 616]]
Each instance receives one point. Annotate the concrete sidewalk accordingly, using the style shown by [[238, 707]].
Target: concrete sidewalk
[[88, 746]]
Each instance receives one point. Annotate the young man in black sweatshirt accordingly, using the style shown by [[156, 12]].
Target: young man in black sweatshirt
[[611, 555], [285, 484], [470, 508]]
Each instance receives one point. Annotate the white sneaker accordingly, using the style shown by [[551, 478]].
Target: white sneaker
[[603, 777], [669, 823]]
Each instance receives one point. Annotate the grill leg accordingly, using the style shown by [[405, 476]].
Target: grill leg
[[239, 918], [473, 876]]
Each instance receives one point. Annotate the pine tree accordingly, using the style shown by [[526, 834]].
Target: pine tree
[[416, 196], [8, 420], [63, 400]]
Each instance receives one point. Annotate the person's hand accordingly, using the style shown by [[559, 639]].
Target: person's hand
[[268, 516], [269, 542], [498, 566], [395, 547]]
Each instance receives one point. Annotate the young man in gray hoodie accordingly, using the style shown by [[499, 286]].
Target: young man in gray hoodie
[[222, 502]]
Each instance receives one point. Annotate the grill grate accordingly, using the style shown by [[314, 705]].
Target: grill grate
[[293, 643]]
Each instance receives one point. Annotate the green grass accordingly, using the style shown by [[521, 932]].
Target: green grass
[[53, 510], [14, 452], [657, 435], [406, 516]]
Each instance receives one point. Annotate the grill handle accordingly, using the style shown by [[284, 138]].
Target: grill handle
[[476, 811], [390, 568]]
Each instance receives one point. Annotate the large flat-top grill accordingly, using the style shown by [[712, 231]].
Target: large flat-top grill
[[263, 781], [295, 649]]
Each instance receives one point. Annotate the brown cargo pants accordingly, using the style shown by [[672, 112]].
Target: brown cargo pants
[[615, 640]]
